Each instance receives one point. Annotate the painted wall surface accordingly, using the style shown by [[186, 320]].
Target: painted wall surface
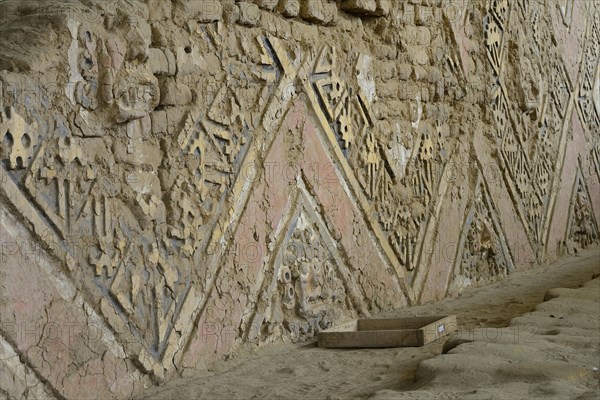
[[185, 179]]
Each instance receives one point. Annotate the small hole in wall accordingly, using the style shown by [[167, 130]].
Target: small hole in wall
[[290, 291], [188, 49], [19, 162], [8, 139], [287, 276], [26, 140]]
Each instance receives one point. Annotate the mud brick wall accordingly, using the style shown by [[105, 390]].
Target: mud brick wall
[[184, 180]]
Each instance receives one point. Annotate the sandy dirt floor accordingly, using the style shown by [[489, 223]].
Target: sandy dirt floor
[[518, 339]]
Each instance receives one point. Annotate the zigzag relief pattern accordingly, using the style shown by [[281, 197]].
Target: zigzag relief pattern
[[137, 247], [377, 172], [589, 80], [531, 110], [589, 90], [397, 169], [138, 171]]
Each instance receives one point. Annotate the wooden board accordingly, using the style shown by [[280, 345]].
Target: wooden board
[[395, 332]]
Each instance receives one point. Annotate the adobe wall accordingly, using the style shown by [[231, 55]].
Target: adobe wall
[[183, 180]]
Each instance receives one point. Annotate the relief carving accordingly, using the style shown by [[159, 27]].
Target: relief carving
[[136, 213], [308, 286], [135, 175], [483, 255], [566, 10], [582, 226], [530, 140], [18, 138], [401, 199], [589, 86]]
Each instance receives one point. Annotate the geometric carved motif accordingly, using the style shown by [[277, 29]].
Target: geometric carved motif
[[307, 285], [529, 121], [589, 77], [582, 228], [566, 10], [17, 138], [483, 255], [589, 90], [398, 182], [136, 235]]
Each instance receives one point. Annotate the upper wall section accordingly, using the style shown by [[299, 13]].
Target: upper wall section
[[181, 179]]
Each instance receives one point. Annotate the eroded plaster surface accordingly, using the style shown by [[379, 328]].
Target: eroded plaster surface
[[185, 179]]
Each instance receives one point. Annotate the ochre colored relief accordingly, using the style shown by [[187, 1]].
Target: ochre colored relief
[[144, 144]]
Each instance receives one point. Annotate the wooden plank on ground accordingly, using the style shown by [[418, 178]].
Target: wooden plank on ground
[[396, 332]]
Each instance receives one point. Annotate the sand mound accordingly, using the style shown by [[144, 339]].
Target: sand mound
[[501, 351], [552, 352]]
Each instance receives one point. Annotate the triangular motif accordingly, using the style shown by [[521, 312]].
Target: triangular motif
[[307, 285], [582, 227], [102, 214], [483, 255]]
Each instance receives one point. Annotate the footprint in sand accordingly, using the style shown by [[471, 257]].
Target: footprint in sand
[[551, 332], [287, 370], [383, 365], [324, 366]]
